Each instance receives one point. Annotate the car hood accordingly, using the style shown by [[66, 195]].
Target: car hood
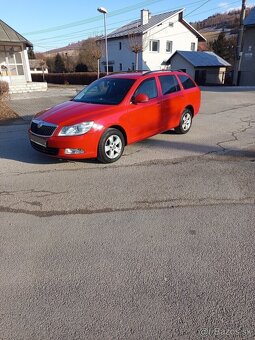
[[72, 112]]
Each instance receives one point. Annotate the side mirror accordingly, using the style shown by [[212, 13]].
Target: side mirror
[[140, 98]]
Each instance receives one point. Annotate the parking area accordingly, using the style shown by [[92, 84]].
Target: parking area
[[159, 245]]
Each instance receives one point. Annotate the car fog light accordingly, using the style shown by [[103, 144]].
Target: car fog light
[[73, 151]]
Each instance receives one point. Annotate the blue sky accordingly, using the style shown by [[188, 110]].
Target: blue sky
[[49, 24]]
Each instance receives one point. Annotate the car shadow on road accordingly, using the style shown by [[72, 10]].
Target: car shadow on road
[[227, 88], [15, 145], [200, 149]]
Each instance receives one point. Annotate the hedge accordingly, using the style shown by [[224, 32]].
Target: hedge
[[77, 78]]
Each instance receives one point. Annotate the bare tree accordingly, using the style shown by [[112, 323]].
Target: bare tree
[[90, 53], [136, 46], [97, 52]]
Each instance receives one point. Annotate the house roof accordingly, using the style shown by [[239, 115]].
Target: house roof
[[250, 20], [8, 34], [201, 59], [135, 27]]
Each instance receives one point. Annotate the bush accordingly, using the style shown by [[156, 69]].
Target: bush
[[6, 112], [4, 88], [76, 78]]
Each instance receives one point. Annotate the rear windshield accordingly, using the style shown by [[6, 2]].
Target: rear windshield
[[109, 91]]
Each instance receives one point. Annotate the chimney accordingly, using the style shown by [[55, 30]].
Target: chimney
[[145, 15]]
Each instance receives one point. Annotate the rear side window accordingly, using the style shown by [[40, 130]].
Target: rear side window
[[148, 87], [169, 84], [187, 83]]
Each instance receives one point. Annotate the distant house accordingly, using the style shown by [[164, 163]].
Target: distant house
[[247, 67], [207, 68], [155, 38], [14, 64], [38, 66]]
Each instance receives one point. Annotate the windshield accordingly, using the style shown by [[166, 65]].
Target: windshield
[[109, 91]]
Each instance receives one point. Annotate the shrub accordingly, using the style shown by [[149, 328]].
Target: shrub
[[76, 78], [4, 88]]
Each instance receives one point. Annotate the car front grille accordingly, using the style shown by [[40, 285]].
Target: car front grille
[[48, 151], [41, 128]]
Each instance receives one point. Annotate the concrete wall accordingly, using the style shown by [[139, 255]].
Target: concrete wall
[[215, 75], [178, 63], [247, 68]]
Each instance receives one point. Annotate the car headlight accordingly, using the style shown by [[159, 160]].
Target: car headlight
[[75, 130]]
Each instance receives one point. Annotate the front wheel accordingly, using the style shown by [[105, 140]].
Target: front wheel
[[111, 146], [185, 122]]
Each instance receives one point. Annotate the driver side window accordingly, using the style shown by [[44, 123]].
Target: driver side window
[[148, 87]]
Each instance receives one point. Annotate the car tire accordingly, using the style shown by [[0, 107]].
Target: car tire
[[111, 146], [185, 122]]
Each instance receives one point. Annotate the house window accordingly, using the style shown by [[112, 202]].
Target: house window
[[154, 45], [120, 45], [169, 46], [120, 66], [193, 46]]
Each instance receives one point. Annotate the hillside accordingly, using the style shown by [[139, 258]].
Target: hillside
[[228, 22], [210, 28]]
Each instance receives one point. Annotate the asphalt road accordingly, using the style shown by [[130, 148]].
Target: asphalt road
[[159, 245]]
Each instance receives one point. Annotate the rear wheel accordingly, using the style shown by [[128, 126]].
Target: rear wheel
[[111, 146], [185, 122]]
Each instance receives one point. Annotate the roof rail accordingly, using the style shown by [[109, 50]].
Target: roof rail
[[129, 71], [164, 70]]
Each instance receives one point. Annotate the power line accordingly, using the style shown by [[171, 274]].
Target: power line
[[95, 18], [74, 34], [188, 14]]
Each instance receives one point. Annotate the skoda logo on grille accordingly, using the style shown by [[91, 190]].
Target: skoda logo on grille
[[39, 125]]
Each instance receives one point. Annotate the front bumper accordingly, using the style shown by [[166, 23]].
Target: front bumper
[[56, 145]]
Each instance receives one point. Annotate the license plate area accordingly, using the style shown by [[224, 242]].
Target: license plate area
[[38, 140]]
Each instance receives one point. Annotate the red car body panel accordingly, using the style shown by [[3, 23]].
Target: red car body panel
[[136, 121]]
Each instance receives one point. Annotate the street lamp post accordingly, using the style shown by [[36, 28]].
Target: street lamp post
[[104, 11]]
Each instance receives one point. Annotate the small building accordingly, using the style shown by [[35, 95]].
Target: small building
[[14, 64], [207, 68], [247, 63], [38, 66], [147, 43]]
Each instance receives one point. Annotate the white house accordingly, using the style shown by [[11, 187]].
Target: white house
[[14, 64], [149, 42]]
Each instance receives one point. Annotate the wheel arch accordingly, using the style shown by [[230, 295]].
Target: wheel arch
[[191, 108], [121, 129]]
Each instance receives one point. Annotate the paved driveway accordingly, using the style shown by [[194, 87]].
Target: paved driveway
[[159, 245]]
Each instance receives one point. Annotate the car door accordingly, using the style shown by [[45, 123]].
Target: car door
[[145, 118], [171, 102]]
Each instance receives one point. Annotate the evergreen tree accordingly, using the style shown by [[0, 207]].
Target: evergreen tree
[[81, 68], [220, 46], [224, 47], [59, 64]]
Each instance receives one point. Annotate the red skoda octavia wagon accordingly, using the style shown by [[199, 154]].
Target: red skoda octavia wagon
[[114, 111]]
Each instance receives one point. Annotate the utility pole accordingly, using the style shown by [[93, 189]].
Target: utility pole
[[239, 44]]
